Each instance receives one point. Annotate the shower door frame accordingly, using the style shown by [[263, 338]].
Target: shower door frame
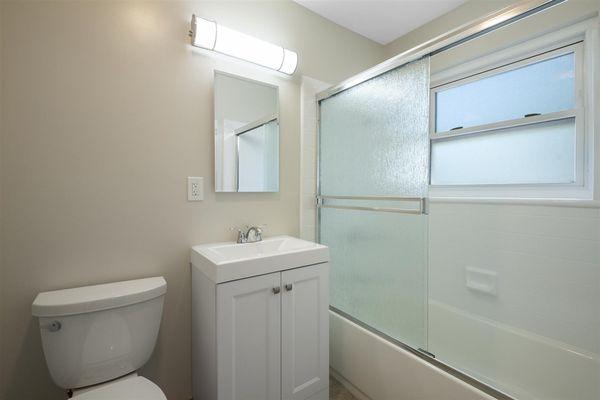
[[441, 43]]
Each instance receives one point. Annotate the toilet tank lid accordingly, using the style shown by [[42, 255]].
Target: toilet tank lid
[[97, 297]]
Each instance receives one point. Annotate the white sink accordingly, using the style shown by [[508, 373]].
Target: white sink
[[227, 261]]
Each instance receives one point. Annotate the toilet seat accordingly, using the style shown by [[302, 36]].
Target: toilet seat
[[134, 388]]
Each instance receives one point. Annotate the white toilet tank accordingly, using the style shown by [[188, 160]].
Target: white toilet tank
[[93, 334]]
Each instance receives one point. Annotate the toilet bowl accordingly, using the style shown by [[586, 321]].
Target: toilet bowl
[[95, 338], [130, 387]]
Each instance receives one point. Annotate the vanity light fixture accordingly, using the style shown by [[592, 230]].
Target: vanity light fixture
[[212, 36]]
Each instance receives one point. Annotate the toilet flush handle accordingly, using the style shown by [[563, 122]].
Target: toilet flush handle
[[53, 326]]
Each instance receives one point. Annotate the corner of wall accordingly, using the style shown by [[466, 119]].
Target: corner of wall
[[308, 145]]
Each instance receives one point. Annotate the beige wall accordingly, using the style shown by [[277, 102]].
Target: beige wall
[[106, 111]]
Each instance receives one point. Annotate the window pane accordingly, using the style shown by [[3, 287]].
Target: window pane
[[541, 153], [544, 87]]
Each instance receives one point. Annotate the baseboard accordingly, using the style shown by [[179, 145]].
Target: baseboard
[[356, 392]]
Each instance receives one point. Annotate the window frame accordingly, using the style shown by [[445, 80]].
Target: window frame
[[576, 39]]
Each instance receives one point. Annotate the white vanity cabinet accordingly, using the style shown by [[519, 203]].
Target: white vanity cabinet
[[263, 337], [249, 338], [305, 333]]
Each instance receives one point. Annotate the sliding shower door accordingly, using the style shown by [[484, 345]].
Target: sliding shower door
[[373, 168]]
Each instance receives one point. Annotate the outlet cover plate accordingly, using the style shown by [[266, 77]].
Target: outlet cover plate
[[195, 188]]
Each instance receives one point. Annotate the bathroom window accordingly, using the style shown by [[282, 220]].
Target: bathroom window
[[519, 123]]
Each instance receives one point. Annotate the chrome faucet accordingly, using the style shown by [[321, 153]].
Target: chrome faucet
[[256, 237], [244, 237]]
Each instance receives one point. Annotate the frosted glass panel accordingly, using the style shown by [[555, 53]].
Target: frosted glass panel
[[258, 164], [374, 136], [544, 87], [378, 269], [542, 153], [374, 142]]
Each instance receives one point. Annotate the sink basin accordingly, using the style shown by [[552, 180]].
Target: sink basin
[[222, 262]]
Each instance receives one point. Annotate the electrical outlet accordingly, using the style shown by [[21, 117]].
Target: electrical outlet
[[195, 188]]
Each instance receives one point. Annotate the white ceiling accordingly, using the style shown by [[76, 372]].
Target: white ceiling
[[380, 20]]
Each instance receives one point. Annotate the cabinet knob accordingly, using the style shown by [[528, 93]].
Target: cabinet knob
[[288, 287], [276, 290]]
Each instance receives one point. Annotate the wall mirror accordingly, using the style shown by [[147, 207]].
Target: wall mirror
[[246, 135]]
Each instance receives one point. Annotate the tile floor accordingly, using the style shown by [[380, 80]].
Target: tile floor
[[338, 392]]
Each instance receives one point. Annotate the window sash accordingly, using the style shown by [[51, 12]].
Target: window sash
[[471, 160], [496, 126], [576, 48], [476, 75]]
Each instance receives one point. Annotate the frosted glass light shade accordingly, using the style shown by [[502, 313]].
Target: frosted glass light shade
[[204, 33], [212, 36]]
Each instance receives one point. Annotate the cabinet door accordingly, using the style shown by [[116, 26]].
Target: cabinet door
[[305, 331], [249, 339]]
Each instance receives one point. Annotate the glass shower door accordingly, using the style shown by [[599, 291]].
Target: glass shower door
[[373, 158]]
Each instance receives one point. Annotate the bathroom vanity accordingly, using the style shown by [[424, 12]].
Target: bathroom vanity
[[260, 326]]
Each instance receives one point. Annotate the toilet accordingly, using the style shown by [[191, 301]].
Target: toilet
[[95, 338]]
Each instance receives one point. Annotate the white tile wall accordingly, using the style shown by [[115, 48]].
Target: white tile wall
[[547, 261], [538, 337]]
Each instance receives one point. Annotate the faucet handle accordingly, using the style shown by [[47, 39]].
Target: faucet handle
[[261, 227], [259, 230], [254, 233], [241, 235]]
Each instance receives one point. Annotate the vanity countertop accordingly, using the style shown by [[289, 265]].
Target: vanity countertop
[[227, 261]]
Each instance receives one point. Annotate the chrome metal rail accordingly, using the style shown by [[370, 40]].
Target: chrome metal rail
[[416, 211]]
